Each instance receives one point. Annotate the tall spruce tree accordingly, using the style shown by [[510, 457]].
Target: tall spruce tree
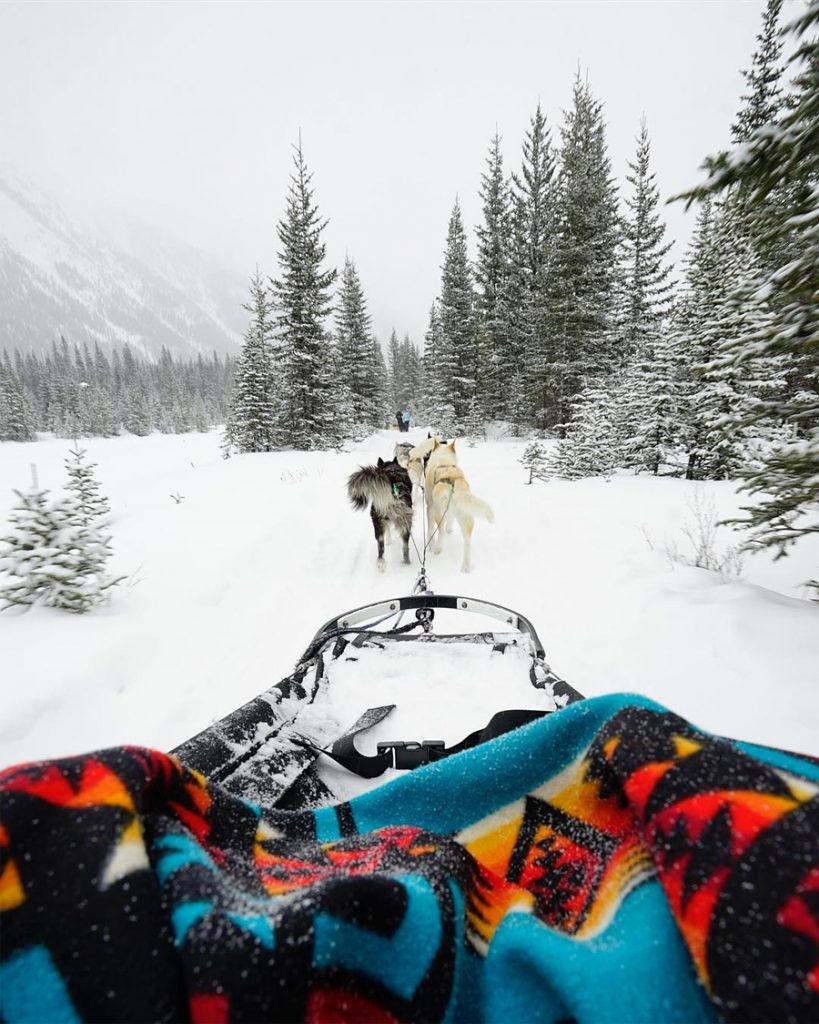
[[493, 277], [534, 225], [646, 388], [461, 359], [354, 343], [784, 156], [647, 284], [407, 375], [254, 419], [584, 265], [437, 367], [763, 101], [762, 104], [394, 369], [303, 302], [380, 411]]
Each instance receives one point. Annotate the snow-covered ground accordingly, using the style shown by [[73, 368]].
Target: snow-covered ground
[[226, 587]]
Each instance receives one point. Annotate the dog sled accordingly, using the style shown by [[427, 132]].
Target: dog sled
[[609, 862], [291, 747]]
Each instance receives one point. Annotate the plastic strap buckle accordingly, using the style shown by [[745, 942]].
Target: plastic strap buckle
[[409, 754]]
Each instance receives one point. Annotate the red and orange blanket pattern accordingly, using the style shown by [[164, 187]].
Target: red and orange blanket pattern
[[611, 840]]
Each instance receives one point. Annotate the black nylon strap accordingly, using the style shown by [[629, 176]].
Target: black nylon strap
[[411, 755], [344, 752]]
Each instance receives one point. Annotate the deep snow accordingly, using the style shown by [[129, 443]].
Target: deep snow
[[226, 587]]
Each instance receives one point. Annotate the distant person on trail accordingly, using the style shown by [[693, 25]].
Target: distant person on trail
[[407, 418], [400, 418]]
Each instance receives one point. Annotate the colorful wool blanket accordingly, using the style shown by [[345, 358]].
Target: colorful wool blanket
[[608, 863]]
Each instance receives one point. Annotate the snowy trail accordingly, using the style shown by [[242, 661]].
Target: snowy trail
[[227, 587]]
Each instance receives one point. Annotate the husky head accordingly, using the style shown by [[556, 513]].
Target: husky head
[[402, 452]]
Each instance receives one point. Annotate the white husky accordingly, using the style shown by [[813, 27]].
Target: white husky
[[447, 494]]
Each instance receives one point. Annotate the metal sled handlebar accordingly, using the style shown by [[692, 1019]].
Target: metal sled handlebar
[[427, 603]]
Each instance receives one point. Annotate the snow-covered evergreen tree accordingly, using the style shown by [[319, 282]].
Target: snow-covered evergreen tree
[[492, 276], [646, 388], [460, 363], [584, 262], [437, 408], [28, 550], [15, 415], [535, 460], [380, 409], [302, 297], [253, 422], [763, 101], [647, 285], [589, 446], [51, 557], [718, 396], [783, 157], [407, 374], [354, 344], [394, 369], [89, 501], [646, 401], [533, 231]]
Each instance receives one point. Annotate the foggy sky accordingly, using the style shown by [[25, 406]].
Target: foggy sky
[[185, 114]]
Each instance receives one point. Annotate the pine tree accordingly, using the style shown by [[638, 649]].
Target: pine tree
[[437, 408], [493, 277], [26, 560], [252, 423], [52, 558], [534, 192], [354, 344], [646, 387], [534, 459], [302, 294], [380, 406], [761, 105], [460, 361], [717, 397], [648, 289], [534, 227], [90, 503], [585, 258], [783, 157], [15, 415], [339, 411], [646, 399], [394, 369], [589, 446], [763, 101], [406, 374]]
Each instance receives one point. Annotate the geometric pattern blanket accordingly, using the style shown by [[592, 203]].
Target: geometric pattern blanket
[[610, 862]]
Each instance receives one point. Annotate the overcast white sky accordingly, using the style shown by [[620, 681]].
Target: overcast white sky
[[184, 113]]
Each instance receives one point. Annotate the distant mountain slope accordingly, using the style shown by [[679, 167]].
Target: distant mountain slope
[[58, 277]]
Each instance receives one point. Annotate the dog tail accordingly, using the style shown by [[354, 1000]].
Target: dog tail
[[369, 484], [473, 505]]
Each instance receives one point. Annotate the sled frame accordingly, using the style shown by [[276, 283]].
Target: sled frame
[[424, 606]]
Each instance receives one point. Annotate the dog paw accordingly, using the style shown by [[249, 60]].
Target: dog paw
[[381, 565]]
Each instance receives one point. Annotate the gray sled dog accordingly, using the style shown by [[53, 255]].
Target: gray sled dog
[[387, 489], [447, 494]]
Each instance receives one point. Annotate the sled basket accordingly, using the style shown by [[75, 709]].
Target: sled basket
[[327, 732]]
